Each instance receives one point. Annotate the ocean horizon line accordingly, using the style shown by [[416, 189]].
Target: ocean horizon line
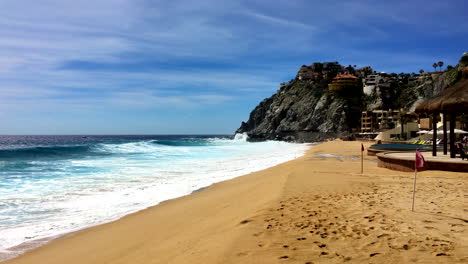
[[195, 134]]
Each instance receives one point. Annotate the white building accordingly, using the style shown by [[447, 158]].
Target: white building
[[370, 82]]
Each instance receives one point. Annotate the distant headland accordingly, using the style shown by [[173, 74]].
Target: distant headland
[[327, 99]]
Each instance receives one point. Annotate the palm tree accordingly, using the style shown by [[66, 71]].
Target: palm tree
[[435, 65], [421, 71], [440, 63]]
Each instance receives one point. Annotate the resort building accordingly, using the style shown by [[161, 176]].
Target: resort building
[[363, 72], [370, 82], [386, 123], [378, 80], [307, 73], [343, 82], [372, 121], [425, 122]]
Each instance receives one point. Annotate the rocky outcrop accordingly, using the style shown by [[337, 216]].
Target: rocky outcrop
[[433, 84], [300, 111]]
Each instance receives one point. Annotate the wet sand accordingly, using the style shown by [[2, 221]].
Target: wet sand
[[315, 209]]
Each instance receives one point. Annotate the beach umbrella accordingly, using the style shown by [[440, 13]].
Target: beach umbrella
[[456, 131]]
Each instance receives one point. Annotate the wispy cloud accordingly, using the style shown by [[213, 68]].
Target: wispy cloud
[[279, 21], [125, 54]]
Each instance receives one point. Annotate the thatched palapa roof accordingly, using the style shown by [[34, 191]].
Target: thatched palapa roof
[[451, 100]]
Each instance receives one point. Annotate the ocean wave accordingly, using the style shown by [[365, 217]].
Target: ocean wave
[[44, 152], [140, 147], [196, 142], [186, 142]]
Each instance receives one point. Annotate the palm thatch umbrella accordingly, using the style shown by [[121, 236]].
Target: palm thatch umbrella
[[452, 101]]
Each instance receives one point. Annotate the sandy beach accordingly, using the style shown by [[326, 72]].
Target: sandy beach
[[315, 209]]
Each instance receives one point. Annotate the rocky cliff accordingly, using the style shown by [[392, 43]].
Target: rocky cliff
[[303, 110], [433, 84]]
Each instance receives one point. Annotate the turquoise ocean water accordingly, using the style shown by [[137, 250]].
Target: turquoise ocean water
[[51, 185]]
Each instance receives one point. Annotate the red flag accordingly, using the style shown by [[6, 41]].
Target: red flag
[[419, 161], [362, 147]]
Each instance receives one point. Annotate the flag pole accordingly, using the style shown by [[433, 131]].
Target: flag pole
[[414, 187], [418, 163], [362, 162], [362, 158]]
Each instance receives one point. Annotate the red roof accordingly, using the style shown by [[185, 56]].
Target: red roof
[[345, 76]]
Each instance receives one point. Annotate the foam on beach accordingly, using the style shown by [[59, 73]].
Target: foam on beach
[[113, 180]]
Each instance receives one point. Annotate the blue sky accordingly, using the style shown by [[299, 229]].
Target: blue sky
[[183, 67]]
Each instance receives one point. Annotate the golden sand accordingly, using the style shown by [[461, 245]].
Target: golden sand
[[315, 209]]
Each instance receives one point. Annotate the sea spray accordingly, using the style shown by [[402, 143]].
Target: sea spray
[[241, 137]]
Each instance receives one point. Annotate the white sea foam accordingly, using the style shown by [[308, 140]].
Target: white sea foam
[[98, 190]]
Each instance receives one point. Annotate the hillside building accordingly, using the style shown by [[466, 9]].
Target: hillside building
[[371, 121], [307, 73], [371, 82], [343, 82], [333, 65]]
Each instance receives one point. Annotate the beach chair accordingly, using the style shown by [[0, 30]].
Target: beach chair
[[459, 147], [461, 150]]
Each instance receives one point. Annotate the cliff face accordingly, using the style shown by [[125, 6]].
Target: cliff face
[[299, 111], [405, 96], [433, 84]]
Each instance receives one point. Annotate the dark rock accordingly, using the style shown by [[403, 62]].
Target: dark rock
[[300, 112]]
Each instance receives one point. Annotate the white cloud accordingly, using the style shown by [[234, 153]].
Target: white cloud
[[39, 38], [279, 21]]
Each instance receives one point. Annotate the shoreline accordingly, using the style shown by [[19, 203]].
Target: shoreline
[[27, 246], [280, 213]]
